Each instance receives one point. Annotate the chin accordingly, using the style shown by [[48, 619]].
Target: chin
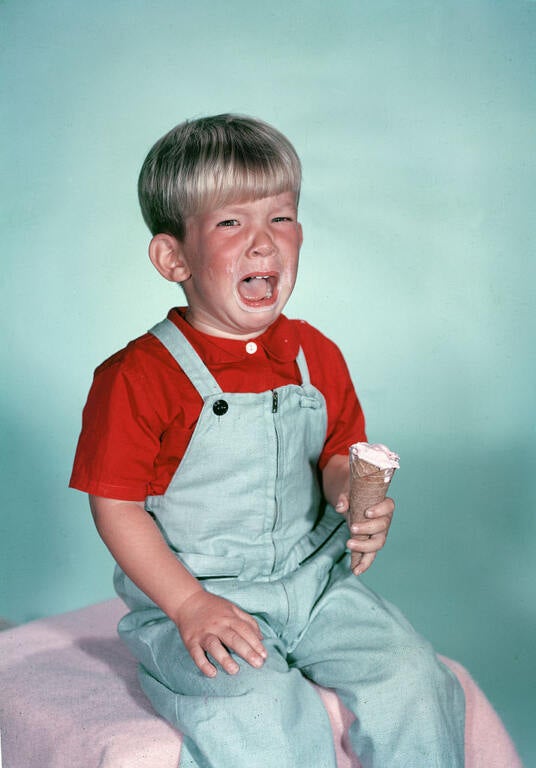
[[256, 321]]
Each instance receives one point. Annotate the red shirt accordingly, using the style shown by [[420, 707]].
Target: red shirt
[[142, 409]]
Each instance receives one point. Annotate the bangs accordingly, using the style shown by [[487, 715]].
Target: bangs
[[237, 179]]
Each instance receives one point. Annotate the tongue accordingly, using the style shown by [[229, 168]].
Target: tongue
[[254, 290]]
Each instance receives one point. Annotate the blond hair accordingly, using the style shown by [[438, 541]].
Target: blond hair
[[203, 164]]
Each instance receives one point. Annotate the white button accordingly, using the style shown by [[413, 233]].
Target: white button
[[251, 347]]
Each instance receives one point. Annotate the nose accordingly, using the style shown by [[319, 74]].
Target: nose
[[262, 243]]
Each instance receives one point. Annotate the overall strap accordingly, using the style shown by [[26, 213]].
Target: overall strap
[[187, 358], [302, 366]]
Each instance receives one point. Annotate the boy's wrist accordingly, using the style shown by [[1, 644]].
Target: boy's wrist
[[175, 612]]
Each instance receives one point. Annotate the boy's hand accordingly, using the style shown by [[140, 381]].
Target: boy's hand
[[370, 535], [210, 624]]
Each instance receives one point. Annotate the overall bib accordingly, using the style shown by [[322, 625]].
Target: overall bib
[[245, 514]]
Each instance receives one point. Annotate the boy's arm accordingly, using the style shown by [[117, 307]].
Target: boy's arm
[[207, 623], [369, 536]]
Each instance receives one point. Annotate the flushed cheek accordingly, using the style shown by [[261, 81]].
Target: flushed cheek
[[220, 276], [288, 278]]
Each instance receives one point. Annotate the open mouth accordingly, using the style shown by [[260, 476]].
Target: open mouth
[[258, 290]]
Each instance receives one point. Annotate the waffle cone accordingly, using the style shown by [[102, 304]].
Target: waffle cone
[[368, 486]]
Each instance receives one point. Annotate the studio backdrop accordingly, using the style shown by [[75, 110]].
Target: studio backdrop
[[415, 123]]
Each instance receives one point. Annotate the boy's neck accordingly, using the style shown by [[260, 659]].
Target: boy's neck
[[209, 330]]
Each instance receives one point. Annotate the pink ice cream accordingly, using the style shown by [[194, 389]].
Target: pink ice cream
[[376, 454]]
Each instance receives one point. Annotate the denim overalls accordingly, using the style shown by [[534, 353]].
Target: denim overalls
[[244, 513]]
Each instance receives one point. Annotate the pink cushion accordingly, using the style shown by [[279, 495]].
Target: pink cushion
[[69, 696]]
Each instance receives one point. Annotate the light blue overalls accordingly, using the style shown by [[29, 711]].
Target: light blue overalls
[[244, 512]]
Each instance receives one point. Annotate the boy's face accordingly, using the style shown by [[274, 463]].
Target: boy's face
[[242, 261]]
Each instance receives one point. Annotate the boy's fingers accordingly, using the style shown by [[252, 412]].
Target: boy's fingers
[[200, 660], [366, 543], [248, 619], [342, 504], [365, 563], [213, 645], [371, 527], [245, 648], [256, 645], [384, 508], [244, 643]]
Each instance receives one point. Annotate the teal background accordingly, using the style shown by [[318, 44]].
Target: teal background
[[415, 124]]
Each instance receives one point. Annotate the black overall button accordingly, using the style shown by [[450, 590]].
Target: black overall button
[[220, 407]]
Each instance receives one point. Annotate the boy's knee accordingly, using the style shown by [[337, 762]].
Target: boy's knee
[[419, 671]]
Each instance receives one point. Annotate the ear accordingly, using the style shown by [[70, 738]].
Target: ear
[[167, 256]]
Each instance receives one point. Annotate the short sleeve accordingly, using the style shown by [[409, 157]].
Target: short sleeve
[[120, 435]]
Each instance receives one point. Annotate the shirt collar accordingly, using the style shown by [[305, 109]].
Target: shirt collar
[[280, 341]]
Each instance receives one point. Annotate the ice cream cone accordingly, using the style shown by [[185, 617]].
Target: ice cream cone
[[368, 486]]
